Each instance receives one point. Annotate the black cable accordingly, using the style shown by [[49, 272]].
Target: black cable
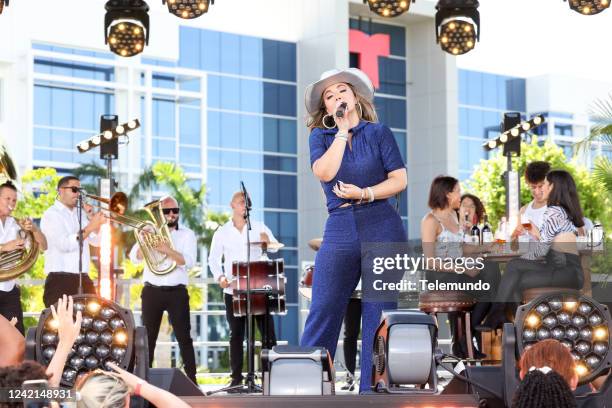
[[463, 378]]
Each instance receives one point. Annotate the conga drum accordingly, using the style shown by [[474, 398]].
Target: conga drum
[[267, 285]]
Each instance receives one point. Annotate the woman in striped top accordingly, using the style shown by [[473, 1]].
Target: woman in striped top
[[553, 261]]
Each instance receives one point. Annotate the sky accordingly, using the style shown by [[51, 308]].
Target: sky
[[533, 37]]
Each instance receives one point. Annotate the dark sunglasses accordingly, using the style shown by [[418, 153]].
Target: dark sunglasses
[[73, 189], [167, 211]]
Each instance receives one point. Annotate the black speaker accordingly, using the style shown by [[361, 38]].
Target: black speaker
[[175, 381], [511, 119]]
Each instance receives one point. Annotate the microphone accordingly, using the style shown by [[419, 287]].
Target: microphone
[[341, 109], [247, 198]]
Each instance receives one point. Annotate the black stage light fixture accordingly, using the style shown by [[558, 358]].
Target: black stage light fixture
[[588, 7], [108, 135], [108, 335], [126, 26], [403, 356], [457, 25], [388, 8], [2, 4], [580, 323], [188, 9]]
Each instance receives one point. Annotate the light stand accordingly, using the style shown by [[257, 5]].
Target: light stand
[[80, 217]]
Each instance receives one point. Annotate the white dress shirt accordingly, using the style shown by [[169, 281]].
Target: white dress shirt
[[9, 230], [185, 242], [229, 245], [61, 227]]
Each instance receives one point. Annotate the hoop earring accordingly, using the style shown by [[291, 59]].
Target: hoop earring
[[325, 124], [360, 110]]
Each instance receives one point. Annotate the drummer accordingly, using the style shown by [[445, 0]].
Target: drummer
[[229, 244]]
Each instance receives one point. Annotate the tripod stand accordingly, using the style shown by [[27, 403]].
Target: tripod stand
[[249, 387]]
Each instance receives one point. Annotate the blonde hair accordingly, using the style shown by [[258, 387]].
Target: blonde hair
[[367, 111], [102, 390]]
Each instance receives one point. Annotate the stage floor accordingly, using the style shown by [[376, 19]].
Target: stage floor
[[340, 401]]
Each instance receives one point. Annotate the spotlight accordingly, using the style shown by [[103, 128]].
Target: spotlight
[[457, 25], [388, 8], [571, 319], [589, 7], [511, 134], [107, 136], [108, 335], [403, 355], [2, 4], [126, 26], [188, 9]]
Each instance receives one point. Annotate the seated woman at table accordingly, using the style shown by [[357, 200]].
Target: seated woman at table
[[556, 244], [471, 210], [443, 238]]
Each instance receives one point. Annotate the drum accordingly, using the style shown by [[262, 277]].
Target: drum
[[267, 283], [305, 286]]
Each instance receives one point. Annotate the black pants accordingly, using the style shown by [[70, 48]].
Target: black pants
[[10, 306], [559, 269], [237, 330], [58, 284], [352, 324], [174, 300]]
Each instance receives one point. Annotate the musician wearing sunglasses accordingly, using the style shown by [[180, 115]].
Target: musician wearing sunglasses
[[168, 292], [11, 239], [61, 224]]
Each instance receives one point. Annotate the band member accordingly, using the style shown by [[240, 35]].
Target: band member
[[229, 244], [360, 166], [169, 292], [10, 294], [61, 224]]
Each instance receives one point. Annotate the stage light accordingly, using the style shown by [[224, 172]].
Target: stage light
[[100, 341], [511, 134], [188, 9], [569, 319], [2, 4], [388, 8], [457, 25], [107, 136], [126, 26], [403, 355], [589, 7], [289, 370]]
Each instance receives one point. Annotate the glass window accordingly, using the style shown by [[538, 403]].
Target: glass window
[[397, 34], [84, 113], [189, 125], [279, 99], [230, 93], [400, 138], [279, 60], [163, 149], [42, 105], [280, 163], [280, 191], [463, 122], [391, 112], [474, 90], [287, 326], [61, 107], [516, 93], [189, 49], [163, 118], [230, 130], [213, 120], [250, 132], [210, 45], [214, 91], [392, 75], [284, 226], [489, 90], [230, 53], [251, 96], [463, 87], [475, 123], [190, 156], [251, 56]]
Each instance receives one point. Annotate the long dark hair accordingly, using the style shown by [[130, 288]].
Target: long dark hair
[[480, 210], [564, 194], [539, 390], [440, 187]]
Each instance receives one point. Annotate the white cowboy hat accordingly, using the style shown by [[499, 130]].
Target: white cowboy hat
[[353, 76]]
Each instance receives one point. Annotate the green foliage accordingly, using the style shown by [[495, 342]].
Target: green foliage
[[487, 182]]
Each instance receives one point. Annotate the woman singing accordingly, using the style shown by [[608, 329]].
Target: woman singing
[[360, 167]]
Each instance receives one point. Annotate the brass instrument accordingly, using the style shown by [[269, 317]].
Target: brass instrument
[[19, 261], [149, 234]]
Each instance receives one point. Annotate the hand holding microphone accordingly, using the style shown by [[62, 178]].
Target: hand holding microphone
[[341, 109]]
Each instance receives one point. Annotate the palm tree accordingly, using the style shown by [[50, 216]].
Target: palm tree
[[600, 113]]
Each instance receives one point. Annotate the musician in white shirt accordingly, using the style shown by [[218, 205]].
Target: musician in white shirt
[[229, 244], [168, 292], [61, 224], [10, 240]]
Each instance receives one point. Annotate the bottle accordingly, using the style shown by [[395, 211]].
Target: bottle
[[501, 231], [487, 234], [597, 235], [475, 232], [465, 230]]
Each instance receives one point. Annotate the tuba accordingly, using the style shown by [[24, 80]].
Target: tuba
[[149, 234], [17, 262]]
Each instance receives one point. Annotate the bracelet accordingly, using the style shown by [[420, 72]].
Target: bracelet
[[370, 194], [342, 136], [360, 199], [138, 387]]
